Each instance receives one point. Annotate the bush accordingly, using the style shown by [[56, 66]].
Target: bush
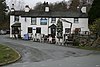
[[76, 43]]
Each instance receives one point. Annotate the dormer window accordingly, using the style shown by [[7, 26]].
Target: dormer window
[[16, 18], [83, 9], [27, 8], [46, 9], [53, 20]]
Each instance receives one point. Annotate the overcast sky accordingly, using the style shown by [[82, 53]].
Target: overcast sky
[[32, 3]]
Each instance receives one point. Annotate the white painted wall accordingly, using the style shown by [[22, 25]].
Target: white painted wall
[[83, 24], [25, 25], [11, 23]]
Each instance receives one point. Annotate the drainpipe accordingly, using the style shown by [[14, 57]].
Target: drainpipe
[[48, 25]]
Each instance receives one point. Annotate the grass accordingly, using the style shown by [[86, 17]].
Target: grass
[[7, 54]]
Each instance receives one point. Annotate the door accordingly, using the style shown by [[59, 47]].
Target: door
[[53, 32]]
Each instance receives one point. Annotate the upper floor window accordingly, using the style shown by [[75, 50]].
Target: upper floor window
[[25, 19], [43, 21], [76, 20], [16, 18], [33, 21], [53, 20]]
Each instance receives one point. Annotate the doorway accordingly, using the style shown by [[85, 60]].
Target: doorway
[[53, 30], [16, 30]]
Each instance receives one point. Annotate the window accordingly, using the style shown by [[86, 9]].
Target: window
[[38, 30], [43, 21], [29, 29], [25, 19], [16, 18], [67, 30], [77, 30], [53, 20], [33, 21], [76, 20]]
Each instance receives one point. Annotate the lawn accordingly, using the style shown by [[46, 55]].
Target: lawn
[[7, 55]]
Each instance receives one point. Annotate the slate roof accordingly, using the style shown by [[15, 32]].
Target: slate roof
[[32, 13], [52, 26], [16, 25]]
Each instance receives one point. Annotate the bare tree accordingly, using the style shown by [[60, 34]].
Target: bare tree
[[18, 4], [75, 4]]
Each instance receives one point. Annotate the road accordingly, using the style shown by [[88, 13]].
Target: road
[[49, 55]]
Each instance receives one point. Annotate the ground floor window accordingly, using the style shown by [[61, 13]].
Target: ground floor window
[[67, 30], [15, 30], [38, 30], [29, 29], [77, 30]]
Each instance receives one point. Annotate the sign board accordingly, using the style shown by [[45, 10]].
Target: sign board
[[34, 28]]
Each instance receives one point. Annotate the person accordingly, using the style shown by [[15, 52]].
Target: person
[[57, 40], [50, 39], [61, 41]]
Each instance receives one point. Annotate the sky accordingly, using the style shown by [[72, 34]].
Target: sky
[[32, 3]]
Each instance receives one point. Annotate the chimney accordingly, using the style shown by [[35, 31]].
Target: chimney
[[27, 9], [12, 8]]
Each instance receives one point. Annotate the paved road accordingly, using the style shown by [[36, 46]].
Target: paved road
[[50, 55]]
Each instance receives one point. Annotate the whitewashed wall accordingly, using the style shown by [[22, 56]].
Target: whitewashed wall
[[83, 24], [25, 25], [11, 23]]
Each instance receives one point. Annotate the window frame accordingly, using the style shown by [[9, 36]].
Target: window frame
[[45, 23], [25, 19], [67, 30], [33, 22], [16, 18], [30, 29], [53, 20], [38, 30]]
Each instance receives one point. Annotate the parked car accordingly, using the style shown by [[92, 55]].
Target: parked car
[[2, 32], [7, 31]]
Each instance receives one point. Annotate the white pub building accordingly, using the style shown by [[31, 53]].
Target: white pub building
[[44, 22]]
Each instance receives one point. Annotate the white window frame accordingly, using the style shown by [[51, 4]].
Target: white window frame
[[42, 20], [33, 20], [53, 20], [16, 18]]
